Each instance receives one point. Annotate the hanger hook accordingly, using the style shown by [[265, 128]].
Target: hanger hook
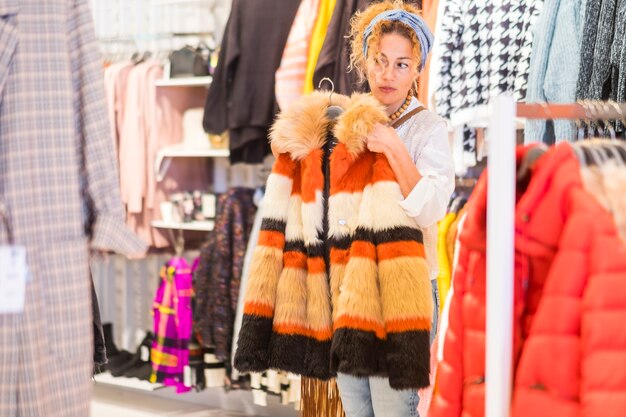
[[332, 88], [595, 120], [607, 109], [583, 124]]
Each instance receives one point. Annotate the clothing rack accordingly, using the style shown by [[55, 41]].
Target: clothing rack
[[500, 118]]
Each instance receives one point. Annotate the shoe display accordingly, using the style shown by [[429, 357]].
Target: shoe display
[[142, 372], [141, 356]]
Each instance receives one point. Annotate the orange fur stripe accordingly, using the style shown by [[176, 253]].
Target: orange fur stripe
[[359, 323], [258, 309], [382, 170], [284, 165], [293, 259], [398, 249], [349, 178], [408, 324], [316, 265], [362, 249], [339, 256], [272, 239], [294, 329], [296, 188], [312, 176]]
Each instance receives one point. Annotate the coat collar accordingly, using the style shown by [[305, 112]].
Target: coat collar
[[304, 126]]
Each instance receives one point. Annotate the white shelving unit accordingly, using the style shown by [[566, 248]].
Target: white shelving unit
[[165, 155], [106, 378], [196, 226], [185, 82]]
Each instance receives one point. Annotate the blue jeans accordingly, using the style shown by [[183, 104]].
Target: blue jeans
[[436, 303], [373, 397]]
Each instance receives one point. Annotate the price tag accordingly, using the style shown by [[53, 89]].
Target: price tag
[[13, 276], [145, 354]]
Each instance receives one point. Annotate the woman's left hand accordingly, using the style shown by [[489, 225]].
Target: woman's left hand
[[382, 139]]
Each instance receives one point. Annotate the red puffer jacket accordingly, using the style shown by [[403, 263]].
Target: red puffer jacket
[[570, 303]]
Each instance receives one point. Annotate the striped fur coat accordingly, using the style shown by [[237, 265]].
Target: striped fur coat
[[372, 315]]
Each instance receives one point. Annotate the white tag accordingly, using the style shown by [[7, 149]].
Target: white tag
[[13, 276], [187, 376], [145, 354]]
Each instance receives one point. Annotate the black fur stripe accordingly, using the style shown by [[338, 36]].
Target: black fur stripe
[[341, 243], [408, 359], [253, 347], [358, 353], [273, 225], [315, 251], [312, 251], [300, 355], [317, 360], [364, 235], [287, 352], [398, 234], [295, 246], [395, 234]]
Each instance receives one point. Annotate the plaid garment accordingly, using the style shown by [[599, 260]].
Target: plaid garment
[[59, 184], [172, 325]]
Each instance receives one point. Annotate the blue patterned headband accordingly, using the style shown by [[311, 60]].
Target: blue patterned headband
[[415, 22]]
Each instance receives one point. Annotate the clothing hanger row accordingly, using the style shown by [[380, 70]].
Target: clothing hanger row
[[600, 145]]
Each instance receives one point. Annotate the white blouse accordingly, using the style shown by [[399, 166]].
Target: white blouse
[[426, 138]]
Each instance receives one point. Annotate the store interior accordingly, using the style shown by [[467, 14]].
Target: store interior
[[529, 254]]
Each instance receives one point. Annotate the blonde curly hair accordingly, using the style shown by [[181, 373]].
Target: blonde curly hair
[[362, 19]]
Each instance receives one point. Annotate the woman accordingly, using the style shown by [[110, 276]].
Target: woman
[[390, 43]]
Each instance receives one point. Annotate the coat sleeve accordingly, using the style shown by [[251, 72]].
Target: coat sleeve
[[101, 180], [448, 393], [253, 350]]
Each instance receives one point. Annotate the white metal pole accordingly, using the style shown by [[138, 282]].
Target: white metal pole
[[500, 257]]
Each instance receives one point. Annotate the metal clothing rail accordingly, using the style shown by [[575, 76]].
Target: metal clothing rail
[[500, 117]]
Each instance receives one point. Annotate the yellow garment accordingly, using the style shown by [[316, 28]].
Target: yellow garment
[[445, 267], [453, 231], [317, 40]]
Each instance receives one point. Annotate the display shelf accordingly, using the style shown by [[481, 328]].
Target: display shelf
[[185, 82], [178, 151], [165, 155], [197, 226], [106, 378]]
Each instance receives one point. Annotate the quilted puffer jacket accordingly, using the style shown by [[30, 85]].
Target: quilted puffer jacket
[[569, 308]]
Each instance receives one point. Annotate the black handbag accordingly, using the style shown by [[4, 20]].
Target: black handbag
[[189, 62]]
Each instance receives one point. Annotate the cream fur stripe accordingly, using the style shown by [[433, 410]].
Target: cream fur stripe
[[276, 202]]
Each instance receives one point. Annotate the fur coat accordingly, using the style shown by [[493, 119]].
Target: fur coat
[[367, 313]]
